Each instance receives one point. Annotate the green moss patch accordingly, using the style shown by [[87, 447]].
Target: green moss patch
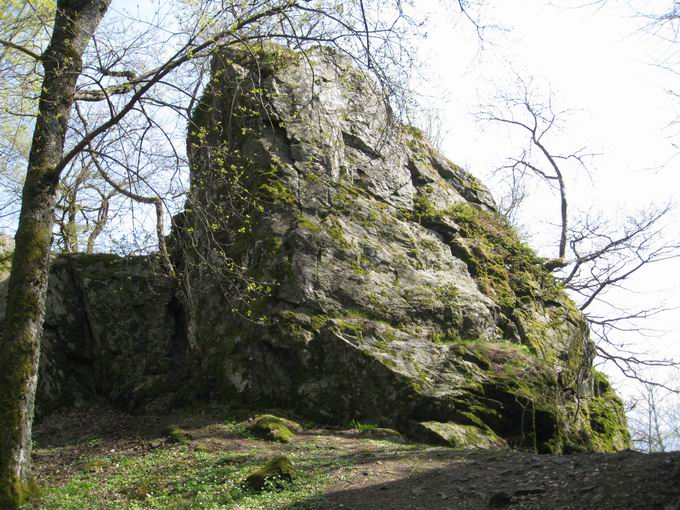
[[176, 434], [609, 431], [274, 474], [274, 428], [517, 397], [266, 56], [505, 268]]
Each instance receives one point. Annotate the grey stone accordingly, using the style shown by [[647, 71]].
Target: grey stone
[[394, 292]]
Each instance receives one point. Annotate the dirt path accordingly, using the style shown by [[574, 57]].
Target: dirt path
[[480, 480]]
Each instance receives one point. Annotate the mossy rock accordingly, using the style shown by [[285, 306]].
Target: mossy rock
[[274, 428], [383, 434], [454, 435], [609, 431], [275, 473], [374, 280], [176, 434]]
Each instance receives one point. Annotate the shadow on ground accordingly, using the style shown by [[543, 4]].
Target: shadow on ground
[[488, 480]]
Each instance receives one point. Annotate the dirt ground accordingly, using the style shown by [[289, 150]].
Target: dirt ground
[[378, 477], [480, 480]]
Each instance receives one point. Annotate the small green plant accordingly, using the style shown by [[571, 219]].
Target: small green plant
[[176, 434], [236, 428], [337, 233], [308, 224], [93, 442], [361, 426]]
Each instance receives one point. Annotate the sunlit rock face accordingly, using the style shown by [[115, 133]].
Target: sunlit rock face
[[332, 262], [337, 264]]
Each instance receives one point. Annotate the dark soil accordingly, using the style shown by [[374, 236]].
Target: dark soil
[[422, 477], [480, 480]]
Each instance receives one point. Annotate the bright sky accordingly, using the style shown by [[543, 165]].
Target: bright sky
[[597, 61]]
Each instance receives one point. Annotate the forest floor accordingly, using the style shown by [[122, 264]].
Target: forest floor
[[104, 459]]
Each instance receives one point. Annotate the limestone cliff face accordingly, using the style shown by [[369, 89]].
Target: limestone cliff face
[[332, 262], [337, 264]]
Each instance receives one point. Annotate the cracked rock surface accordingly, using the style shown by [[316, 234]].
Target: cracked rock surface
[[355, 273]]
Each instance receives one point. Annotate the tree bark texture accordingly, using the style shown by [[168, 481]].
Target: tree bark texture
[[75, 22]]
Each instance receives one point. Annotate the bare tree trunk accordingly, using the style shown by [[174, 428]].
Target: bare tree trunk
[[74, 23], [70, 230], [100, 223], [562, 251]]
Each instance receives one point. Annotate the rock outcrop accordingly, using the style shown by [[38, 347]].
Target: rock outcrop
[[338, 265], [332, 262], [113, 328]]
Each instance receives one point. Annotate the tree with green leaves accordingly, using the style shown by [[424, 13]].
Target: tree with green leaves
[[74, 24], [22, 35]]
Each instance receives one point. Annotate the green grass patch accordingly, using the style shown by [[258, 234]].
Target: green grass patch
[[361, 426], [179, 478], [185, 476]]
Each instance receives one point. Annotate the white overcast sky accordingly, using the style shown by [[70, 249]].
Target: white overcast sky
[[599, 61]]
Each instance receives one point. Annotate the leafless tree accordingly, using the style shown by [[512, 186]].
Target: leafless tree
[[537, 120], [598, 255], [605, 254], [510, 203], [654, 418]]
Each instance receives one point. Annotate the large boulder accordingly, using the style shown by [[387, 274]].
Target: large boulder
[[335, 263]]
